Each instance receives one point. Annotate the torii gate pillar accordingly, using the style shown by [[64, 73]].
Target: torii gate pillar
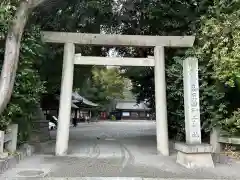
[[65, 100], [161, 102]]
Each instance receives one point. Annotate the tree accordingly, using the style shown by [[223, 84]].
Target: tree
[[219, 39], [160, 18], [13, 40], [23, 9], [31, 74], [73, 16], [104, 86], [216, 48], [28, 85]]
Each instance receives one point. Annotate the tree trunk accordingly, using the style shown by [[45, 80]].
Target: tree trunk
[[12, 49]]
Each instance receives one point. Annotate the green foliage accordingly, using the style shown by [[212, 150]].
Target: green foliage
[[175, 99], [231, 126], [111, 80], [216, 47], [72, 16], [6, 10], [104, 86], [113, 118], [162, 18], [36, 60], [213, 103], [220, 40], [28, 86]]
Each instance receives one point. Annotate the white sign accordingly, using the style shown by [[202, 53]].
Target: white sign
[[126, 114]]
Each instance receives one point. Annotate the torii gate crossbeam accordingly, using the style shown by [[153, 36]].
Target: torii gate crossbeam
[[113, 61], [117, 40]]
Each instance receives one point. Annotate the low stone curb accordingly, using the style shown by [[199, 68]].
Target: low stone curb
[[221, 158], [11, 161]]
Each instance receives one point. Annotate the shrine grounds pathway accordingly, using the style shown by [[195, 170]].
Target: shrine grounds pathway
[[110, 150]]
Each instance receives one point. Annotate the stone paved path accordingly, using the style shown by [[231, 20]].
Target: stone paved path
[[125, 149]]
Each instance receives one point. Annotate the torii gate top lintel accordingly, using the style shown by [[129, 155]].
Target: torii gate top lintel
[[117, 40]]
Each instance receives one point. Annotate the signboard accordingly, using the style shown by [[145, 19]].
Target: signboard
[[125, 114]]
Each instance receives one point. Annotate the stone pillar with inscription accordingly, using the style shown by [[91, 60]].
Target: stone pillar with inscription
[[191, 101], [193, 153]]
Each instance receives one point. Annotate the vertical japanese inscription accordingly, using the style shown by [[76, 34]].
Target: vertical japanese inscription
[[191, 95], [195, 112]]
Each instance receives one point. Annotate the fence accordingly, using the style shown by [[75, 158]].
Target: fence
[[217, 141], [8, 139]]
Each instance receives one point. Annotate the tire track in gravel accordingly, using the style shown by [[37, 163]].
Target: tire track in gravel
[[124, 159], [128, 157], [92, 151]]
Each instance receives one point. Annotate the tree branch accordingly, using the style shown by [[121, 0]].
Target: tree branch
[[36, 3]]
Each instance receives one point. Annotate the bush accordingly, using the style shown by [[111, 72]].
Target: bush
[[113, 118], [231, 126]]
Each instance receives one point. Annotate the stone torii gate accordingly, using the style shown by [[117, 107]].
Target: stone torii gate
[[191, 154]]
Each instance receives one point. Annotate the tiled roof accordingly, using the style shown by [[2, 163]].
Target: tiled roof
[[131, 105], [76, 96], [74, 106]]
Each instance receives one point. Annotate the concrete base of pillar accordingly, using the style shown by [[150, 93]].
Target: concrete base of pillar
[[194, 156]]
